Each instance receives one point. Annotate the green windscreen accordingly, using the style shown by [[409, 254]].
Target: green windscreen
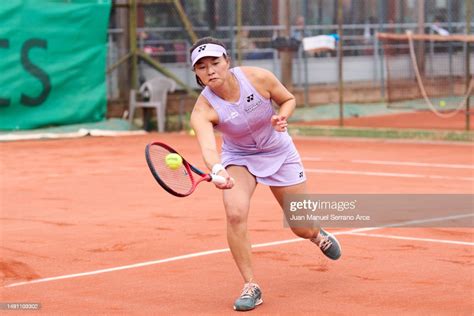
[[52, 62]]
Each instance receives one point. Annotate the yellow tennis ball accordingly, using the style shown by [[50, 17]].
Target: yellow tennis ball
[[442, 103], [173, 161]]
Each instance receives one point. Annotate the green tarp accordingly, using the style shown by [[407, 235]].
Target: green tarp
[[52, 62]]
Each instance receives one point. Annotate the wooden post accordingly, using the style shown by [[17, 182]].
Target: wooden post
[[184, 18], [132, 29], [421, 30], [123, 42], [286, 56]]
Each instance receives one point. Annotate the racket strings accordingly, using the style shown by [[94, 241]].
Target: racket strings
[[178, 180]]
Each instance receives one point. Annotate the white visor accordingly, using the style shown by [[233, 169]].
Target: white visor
[[207, 50]]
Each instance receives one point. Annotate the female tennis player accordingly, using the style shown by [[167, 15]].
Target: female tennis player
[[256, 148]]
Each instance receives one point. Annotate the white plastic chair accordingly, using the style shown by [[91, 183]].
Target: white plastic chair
[[158, 89]]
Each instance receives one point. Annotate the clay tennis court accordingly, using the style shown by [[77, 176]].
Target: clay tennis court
[[85, 229]]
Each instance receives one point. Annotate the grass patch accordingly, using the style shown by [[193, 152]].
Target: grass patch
[[383, 133]]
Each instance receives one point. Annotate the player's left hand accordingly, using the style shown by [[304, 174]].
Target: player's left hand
[[279, 123]]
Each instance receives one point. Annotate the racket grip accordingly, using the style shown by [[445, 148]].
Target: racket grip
[[218, 179]]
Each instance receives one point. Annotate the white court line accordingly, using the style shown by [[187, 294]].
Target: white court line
[[438, 143], [313, 159], [443, 241], [396, 163], [414, 164], [211, 252], [388, 174]]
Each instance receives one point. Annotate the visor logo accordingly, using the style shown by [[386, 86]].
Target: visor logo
[[203, 47]]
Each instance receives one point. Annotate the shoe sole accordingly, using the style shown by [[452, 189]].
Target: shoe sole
[[259, 301], [338, 245]]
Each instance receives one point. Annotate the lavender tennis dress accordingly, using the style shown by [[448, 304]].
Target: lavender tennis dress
[[250, 140]]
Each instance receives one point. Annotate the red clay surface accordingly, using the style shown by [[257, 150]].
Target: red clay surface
[[75, 206], [412, 120]]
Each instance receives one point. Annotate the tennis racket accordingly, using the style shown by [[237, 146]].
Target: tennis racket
[[180, 181]]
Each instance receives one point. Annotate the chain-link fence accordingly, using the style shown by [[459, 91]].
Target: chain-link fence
[[165, 30]]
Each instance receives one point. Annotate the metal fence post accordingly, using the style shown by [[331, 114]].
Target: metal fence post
[[468, 63], [380, 50], [340, 55]]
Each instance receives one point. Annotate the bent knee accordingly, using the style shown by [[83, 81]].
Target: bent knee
[[305, 233], [236, 213], [236, 218]]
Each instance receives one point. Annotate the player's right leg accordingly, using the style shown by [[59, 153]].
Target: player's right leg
[[237, 204]]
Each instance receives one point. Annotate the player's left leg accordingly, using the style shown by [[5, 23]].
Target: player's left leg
[[327, 242]]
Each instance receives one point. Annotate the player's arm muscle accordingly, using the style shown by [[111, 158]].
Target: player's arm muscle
[[268, 85], [202, 119]]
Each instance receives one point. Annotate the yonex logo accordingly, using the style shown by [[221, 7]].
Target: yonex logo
[[301, 174], [203, 47], [252, 106]]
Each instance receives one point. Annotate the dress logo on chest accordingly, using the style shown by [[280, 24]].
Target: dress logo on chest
[[251, 106]]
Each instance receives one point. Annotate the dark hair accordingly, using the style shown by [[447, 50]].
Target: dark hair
[[201, 41]]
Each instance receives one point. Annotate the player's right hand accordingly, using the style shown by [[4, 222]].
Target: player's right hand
[[229, 181]]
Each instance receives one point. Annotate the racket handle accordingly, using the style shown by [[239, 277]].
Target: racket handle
[[218, 179]]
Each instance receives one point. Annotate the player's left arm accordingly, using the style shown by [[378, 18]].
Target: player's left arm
[[281, 96]]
